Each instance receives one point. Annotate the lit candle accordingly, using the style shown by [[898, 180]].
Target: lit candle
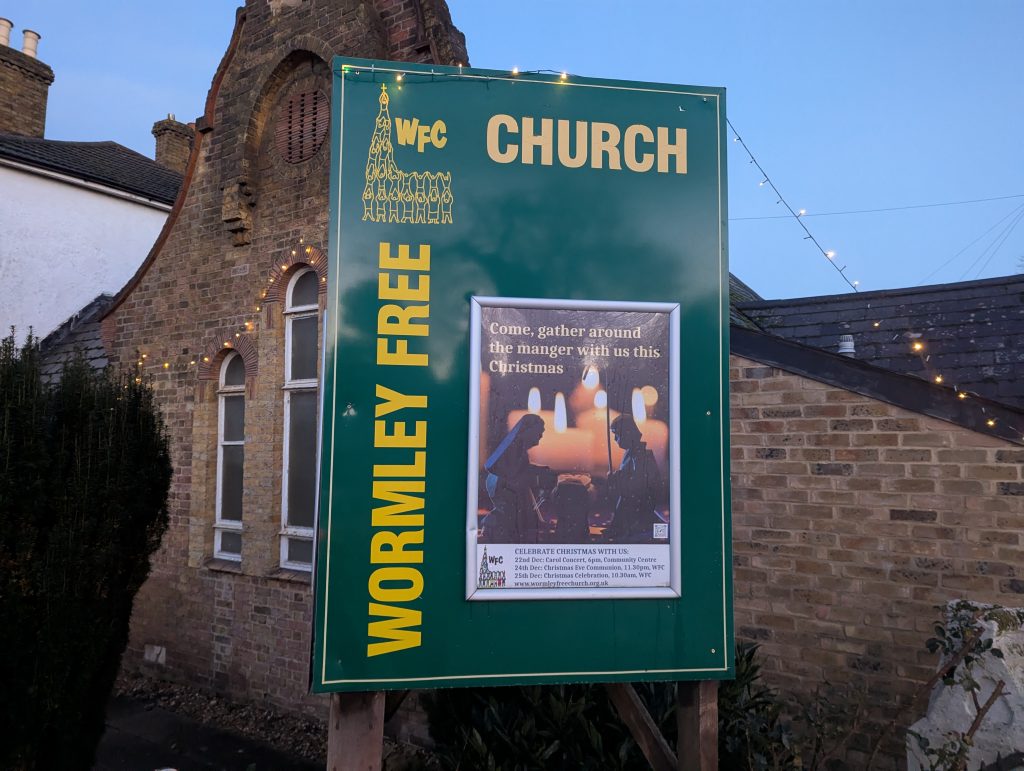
[[596, 421], [532, 408], [563, 448], [655, 432]]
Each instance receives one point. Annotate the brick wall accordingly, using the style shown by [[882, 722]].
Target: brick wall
[[240, 231], [852, 521], [24, 85]]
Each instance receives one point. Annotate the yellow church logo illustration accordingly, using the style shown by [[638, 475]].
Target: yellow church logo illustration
[[393, 195]]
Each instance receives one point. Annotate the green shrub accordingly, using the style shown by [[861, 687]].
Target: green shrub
[[576, 726], [84, 476]]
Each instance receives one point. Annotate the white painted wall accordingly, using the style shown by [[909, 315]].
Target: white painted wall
[[61, 245]]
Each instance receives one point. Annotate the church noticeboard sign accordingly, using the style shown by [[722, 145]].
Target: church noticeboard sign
[[524, 475]]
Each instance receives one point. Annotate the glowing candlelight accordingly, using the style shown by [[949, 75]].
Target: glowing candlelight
[[564, 448]]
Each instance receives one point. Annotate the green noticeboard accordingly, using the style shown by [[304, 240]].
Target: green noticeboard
[[524, 473]]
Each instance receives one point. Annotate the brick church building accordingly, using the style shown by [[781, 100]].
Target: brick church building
[[862, 497]]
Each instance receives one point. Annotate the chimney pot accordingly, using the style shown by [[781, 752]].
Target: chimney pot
[[6, 25], [30, 43], [846, 346]]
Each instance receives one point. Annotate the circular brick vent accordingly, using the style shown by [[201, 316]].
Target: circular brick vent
[[302, 126]]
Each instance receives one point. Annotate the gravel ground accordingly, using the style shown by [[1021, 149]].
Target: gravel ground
[[304, 737]]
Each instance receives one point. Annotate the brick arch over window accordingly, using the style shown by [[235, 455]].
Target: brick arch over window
[[213, 356], [285, 267]]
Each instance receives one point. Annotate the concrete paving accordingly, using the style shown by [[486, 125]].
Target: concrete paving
[[141, 736]]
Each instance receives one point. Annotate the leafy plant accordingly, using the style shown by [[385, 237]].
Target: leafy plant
[[576, 726], [84, 476]]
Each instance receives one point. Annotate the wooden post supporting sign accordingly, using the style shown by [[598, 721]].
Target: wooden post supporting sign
[[697, 716], [355, 734]]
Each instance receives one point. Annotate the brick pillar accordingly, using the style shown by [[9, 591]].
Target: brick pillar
[[24, 86], [173, 143]]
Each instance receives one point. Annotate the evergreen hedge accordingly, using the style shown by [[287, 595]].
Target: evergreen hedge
[[84, 476]]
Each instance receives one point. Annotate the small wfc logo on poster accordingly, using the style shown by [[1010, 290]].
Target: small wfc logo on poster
[[490, 579], [395, 196]]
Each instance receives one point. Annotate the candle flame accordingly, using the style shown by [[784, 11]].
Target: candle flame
[[639, 409], [601, 400], [591, 377], [533, 401], [561, 423]]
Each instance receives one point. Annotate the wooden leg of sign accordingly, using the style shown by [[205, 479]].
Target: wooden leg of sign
[[636, 717], [355, 733], [697, 713]]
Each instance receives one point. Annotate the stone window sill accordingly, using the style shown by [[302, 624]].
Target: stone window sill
[[291, 576], [223, 566]]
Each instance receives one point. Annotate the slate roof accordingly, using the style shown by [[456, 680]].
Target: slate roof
[[740, 293], [104, 163], [972, 332], [79, 334]]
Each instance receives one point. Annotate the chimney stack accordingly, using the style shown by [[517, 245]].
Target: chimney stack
[[173, 143], [846, 346], [30, 43], [24, 84]]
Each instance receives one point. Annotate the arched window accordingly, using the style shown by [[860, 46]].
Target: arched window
[[299, 478], [230, 458]]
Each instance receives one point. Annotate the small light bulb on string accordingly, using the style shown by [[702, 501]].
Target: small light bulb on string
[[145, 355], [918, 346], [961, 395], [990, 422], [856, 283], [206, 359], [830, 254], [227, 343], [192, 363], [563, 77], [801, 213], [399, 77], [877, 324], [302, 240], [309, 250], [238, 334], [167, 365], [938, 378], [763, 182], [515, 70]]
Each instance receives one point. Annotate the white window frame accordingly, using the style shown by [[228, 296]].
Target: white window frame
[[221, 525], [293, 313]]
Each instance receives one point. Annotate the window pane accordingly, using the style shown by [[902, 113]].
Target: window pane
[[230, 542], [300, 551], [234, 418], [305, 289], [303, 348], [302, 458], [231, 482], [234, 371]]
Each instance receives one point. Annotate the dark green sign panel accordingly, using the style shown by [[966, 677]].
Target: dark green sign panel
[[524, 471]]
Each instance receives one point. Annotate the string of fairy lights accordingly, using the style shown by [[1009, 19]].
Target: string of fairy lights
[[797, 214], [314, 258], [917, 346]]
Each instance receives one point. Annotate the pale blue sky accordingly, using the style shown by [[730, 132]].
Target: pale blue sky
[[847, 105]]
